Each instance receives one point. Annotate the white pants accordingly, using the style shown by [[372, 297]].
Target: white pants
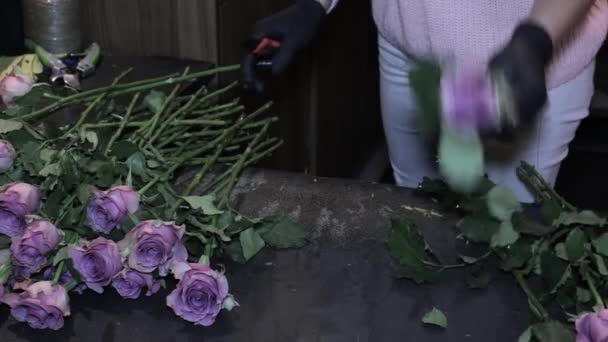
[[545, 147]]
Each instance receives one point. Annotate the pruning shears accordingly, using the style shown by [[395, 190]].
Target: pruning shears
[[70, 69], [263, 51]]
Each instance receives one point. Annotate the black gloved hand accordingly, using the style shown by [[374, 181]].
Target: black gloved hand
[[519, 70], [294, 28]]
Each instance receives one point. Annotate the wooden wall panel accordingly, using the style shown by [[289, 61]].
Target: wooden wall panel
[[173, 28]]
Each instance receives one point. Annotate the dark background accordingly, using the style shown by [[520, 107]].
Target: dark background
[[328, 101]]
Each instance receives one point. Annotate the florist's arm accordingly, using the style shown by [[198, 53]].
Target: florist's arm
[[560, 17], [520, 68]]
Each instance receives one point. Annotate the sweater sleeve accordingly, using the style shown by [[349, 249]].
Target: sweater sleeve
[[328, 4]]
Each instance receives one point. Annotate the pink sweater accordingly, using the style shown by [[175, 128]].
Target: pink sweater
[[471, 31]]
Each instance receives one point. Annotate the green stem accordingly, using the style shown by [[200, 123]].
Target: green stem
[[173, 116], [57, 276], [147, 130], [540, 188], [70, 286], [124, 88], [540, 309], [123, 124], [90, 108], [200, 122], [596, 295], [242, 121]]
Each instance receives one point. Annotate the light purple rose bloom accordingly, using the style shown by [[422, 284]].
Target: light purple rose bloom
[[129, 284], [38, 240], [16, 201], [42, 305], [7, 156], [592, 327], [200, 294], [110, 208], [153, 245], [468, 101], [97, 261]]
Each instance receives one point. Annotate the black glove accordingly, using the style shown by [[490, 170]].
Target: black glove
[[519, 70], [293, 27]]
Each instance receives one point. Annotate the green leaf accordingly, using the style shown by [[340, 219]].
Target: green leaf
[[601, 244], [7, 126], [479, 227], [30, 156], [560, 251], [105, 175], [152, 163], [601, 265], [583, 295], [516, 255], [461, 160], [478, 277], [283, 234], [505, 236], [586, 217], [137, 164], [61, 255], [47, 154], [553, 269], [154, 100], [54, 202], [425, 78], [550, 211], [53, 169], [204, 203], [526, 336], [552, 331], [502, 203], [408, 247], [435, 317], [84, 193], [524, 225], [91, 137], [235, 252], [251, 242], [575, 244], [123, 149]]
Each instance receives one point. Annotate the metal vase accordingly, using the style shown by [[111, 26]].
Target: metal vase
[[53, 24]]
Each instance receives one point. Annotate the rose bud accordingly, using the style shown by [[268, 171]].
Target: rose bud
[[41, 304], [129, 284], [200, 294], [7, 156], [153, 245], [16, 201], [98, 261], [110, 208], [38, 240], [14, 86]]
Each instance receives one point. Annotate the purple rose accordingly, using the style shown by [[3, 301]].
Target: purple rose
[[97, 261], [7, 156], [468, 100], [110, 208], [41, 305], [592, 327], [129, 284], [152, 245], [38, 240], [16, 201], [200, 295]]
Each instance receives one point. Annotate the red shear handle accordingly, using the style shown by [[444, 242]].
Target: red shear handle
[[265, 45]]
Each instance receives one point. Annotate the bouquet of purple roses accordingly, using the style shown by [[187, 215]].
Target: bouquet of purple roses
[[94, 205]]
